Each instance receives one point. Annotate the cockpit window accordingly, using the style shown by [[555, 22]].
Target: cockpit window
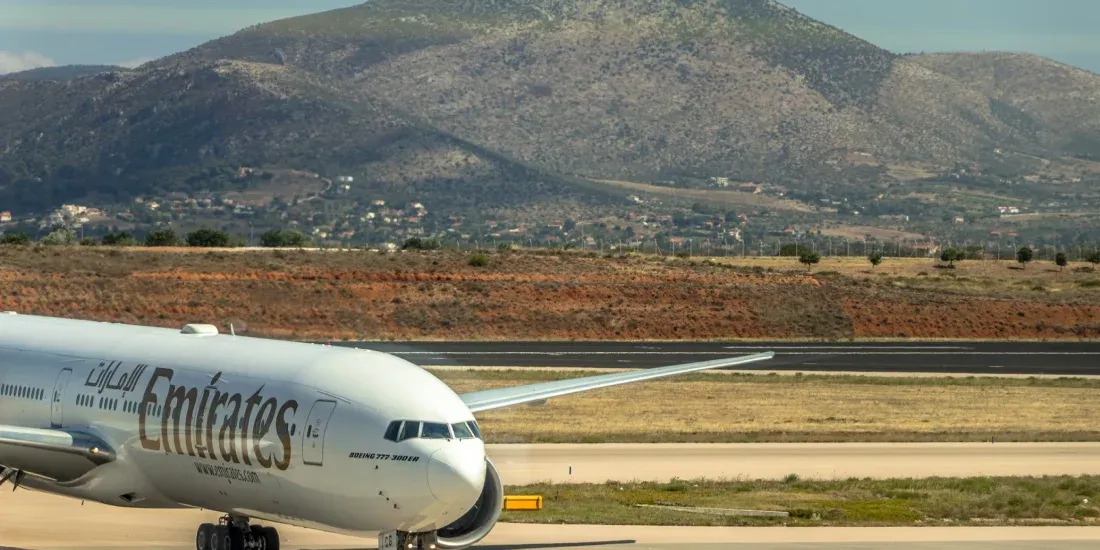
[[411, 430], [475, 429], [393, 430], [400, 430], [433, 430], [462, 431]]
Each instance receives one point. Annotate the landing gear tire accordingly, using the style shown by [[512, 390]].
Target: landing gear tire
[[271, 538], [220, 539], [202, 538], [262, 538], [236, 538], [234, 533]]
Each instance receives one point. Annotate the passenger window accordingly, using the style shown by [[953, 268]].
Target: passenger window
[[473, 428], [410, 430], [462, 431], [393, 430], [434, 430]]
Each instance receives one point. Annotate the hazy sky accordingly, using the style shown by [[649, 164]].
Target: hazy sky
[[37, 33]]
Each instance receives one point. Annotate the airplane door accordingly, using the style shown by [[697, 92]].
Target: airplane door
[[57, 407], [313, 437]]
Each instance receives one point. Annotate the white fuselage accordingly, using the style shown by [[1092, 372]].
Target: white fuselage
[[286, 432]]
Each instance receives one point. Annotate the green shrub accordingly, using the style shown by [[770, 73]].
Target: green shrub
[[15, 239], [479, 260]]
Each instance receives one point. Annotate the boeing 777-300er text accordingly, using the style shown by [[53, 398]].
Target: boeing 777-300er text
[[338, 439]]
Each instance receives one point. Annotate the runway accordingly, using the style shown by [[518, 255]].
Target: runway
[[1029, 358], [584, 463]]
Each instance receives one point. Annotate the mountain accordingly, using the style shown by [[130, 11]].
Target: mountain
[[1040, 94], [523, 100], [64, 72], [188, 128]]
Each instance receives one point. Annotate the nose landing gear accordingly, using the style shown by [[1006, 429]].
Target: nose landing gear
[[234, 533]]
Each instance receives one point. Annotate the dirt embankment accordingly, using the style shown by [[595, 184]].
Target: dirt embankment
[[437, 295]]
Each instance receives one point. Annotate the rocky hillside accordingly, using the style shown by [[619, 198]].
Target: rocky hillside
[[452, 94]]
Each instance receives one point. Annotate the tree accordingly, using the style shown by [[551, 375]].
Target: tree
[[63, 236], [283, 238], [1060, 259], [208, 238], [809, 259], [952, 255], [1024, 255], [15, 239], [121, 238], [416, 243], [875, 259], [164, 237]]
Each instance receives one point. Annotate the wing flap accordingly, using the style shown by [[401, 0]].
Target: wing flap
[[506, 397], [60, 455]]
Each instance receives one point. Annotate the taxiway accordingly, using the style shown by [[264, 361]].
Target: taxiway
[[31, 520]]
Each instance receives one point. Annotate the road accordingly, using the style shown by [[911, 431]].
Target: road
[[1059, 358]]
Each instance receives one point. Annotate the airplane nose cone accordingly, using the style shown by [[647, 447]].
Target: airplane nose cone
[[456, 474]]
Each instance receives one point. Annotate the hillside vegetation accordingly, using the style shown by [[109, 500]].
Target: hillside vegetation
[[520, 101]]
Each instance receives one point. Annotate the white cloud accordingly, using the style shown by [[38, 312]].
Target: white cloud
[[13, 62]]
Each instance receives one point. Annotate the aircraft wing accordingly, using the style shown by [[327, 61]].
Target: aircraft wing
[[61, 455], [506, 397]]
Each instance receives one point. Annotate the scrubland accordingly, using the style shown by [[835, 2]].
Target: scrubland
[[544, 295]]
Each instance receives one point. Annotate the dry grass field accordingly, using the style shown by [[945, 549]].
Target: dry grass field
[[730, 408], [983, 501], [545, 295]]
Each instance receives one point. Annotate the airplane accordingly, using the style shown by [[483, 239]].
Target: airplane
[[337, 439]]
